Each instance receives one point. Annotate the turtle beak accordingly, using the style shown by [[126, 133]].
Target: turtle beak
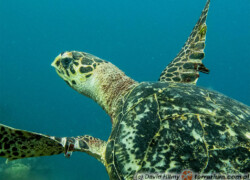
[[64, 55], [61, 64], [56, 62]]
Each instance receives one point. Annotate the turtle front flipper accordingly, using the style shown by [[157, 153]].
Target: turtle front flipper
[[187, 64], [18, 144], [92, 146]]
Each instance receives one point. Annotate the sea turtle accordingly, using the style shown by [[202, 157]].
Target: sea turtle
[[164, 126]]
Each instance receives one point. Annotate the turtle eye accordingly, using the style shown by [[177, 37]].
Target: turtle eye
[[66, 62]]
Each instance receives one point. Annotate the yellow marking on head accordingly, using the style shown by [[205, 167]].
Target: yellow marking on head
[[67, 54], [82, 78], [55, 61]]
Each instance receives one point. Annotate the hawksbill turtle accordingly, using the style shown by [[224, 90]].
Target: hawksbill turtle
[[164, 126]]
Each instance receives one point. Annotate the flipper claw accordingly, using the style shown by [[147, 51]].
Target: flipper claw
[[69, 149]]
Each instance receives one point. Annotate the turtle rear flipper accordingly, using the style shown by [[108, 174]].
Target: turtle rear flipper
[[187, 64], [18, 144]]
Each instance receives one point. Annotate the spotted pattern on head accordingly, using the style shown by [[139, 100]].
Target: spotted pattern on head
[[186, 66], [76, 67]]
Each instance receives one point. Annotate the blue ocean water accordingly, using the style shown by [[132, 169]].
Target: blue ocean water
[[139, 36]]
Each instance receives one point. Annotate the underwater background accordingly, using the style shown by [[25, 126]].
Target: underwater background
[[139, 36]]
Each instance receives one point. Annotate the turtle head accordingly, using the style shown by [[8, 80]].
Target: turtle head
[[76, 68], [93, 77]]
